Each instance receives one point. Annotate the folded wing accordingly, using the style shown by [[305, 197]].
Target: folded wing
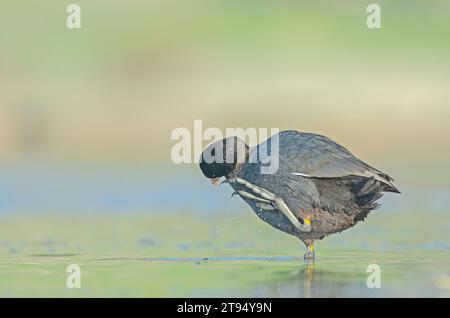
[[316, 156]]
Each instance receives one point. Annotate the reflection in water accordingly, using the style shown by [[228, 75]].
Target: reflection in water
[[316, 280], [308, 272]]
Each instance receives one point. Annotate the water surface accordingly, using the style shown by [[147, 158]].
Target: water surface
[[139, 233]]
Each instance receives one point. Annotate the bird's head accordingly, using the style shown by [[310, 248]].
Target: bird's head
[[222, 158]]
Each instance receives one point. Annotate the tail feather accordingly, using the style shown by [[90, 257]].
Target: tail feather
[[352, 195], [367, 192]]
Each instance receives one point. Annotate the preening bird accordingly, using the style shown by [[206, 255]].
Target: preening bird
[[319, 187]]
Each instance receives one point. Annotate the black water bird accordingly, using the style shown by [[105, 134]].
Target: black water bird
[[319, 187]]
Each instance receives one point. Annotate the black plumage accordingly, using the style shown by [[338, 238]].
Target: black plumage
[[318, 179]]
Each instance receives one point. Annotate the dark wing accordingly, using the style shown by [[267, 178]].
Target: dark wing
[[301, 191], [317, 156], [300, 194]]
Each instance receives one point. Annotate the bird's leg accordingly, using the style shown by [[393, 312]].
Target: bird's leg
[[307, 219], [278, 203], [262, 204], [309, 255], [250, 196], [265, 206]]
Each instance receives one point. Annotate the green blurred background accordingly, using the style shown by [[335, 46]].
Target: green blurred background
[[86, 116]]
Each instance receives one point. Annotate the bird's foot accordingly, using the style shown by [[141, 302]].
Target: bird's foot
[[268, 198], [309, 256], [265, 206]]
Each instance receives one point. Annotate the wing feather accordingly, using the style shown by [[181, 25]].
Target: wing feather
[[316, 156]]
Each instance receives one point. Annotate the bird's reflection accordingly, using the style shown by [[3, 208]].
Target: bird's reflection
[[308, 272], [313, 280]]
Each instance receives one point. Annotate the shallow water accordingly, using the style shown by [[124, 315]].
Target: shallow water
[[135, 233], [144, 256]]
